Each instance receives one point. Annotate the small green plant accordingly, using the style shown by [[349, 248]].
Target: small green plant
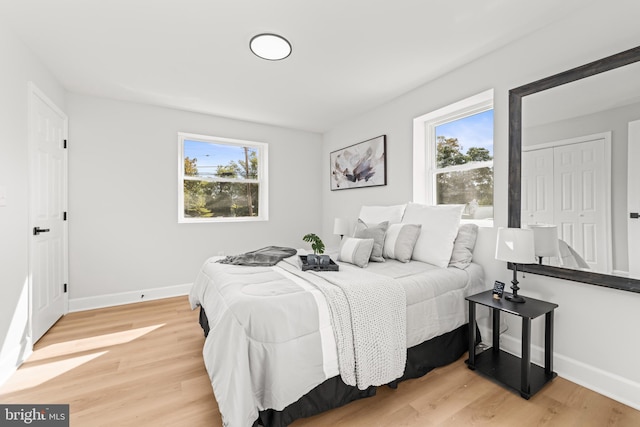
[[316, 243]]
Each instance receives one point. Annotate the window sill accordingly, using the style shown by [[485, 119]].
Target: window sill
[[220, 219]]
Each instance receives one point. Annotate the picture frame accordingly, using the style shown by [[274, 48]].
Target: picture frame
[[359, 165], [498, 289]]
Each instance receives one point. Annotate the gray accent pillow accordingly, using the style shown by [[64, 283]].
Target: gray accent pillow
[[400, 241], [355, 251], [463, 246], [375, 232]]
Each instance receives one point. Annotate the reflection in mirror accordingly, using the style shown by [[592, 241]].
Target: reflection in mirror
[[570, 134], [547, 243], [572, 162]]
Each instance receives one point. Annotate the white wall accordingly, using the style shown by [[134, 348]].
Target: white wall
[[19, 66], [596, 328], [124, 238]]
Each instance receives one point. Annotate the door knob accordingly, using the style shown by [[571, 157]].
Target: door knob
[[38, 230], [634, 215]]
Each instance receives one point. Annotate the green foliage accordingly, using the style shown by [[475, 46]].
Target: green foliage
[[463, 187], [228, 171], [316, 243], [190, 166], [195, 192], [477, 154], [204, 199], [449, 153]]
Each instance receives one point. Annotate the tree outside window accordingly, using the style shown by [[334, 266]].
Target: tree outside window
[[466, 176], [453, 157]]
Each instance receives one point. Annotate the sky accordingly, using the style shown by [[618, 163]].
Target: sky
[[211, 155], [471, 131]]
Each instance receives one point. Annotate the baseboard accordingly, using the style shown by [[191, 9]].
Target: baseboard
[[596, 379], [12, 359], [620, 273], [110, 300]]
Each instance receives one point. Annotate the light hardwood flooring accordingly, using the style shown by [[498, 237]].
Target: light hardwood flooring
[[141, 365]]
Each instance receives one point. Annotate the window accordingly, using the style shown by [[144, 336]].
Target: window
[[453, 156], [221, 179]]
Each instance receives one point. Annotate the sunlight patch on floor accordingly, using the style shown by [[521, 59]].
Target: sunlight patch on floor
[[28, 377], [90, 343]]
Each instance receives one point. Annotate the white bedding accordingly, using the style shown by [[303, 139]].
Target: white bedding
[[435, 296], [267, 323]]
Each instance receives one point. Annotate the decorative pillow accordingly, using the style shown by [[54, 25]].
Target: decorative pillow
[[355, 251], [400, 240], [375, 232], [439, 230], [462, 253], [378, 214]]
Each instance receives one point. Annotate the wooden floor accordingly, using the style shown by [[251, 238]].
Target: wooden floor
[[141, 365]]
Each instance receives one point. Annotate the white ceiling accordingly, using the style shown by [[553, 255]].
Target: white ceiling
[[348, 56]]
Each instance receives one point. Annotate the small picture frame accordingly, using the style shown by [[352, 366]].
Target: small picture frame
[[498, 290]]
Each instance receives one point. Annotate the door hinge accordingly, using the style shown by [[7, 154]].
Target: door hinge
[[64, 144], [65, 288], [64, 216]]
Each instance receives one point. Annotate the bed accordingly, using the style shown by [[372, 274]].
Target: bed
[[273, 348]]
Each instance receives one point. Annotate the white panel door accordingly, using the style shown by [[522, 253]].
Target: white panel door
[[580, 202], [48, 201], [537, 187], [633, 202]]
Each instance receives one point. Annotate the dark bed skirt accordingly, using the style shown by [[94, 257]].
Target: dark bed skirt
[[333, 393]]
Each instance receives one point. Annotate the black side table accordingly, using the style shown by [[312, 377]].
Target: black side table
[[516, 373]]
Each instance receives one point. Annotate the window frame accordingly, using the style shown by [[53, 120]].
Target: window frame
[[262, 181], [425, 167]]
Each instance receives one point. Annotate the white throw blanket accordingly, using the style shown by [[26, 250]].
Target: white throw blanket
[[368, 313]]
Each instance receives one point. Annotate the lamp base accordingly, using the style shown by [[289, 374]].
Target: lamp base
[[515, 288], [515, 298]]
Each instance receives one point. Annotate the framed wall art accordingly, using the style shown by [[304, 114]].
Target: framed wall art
[[360, 165]]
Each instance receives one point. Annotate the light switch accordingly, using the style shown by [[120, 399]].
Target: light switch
[[3, 196]]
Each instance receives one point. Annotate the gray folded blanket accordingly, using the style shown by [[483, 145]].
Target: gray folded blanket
[[270, 255]]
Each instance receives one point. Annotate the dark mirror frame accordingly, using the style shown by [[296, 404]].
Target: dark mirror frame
[[515, 158]]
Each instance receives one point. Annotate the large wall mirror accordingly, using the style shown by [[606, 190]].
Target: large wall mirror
[[574, 171]]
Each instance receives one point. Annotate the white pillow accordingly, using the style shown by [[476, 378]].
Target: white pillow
[[355, 251], [462, 253], [377, 214], [439, 230], [400, 240]]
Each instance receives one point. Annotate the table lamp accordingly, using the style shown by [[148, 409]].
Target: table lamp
[[515, 245], [340, 226], [545, 238]]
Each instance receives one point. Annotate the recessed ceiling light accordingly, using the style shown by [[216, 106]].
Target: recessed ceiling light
[[270, 46]]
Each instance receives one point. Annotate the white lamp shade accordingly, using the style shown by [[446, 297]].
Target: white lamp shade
[[341, 226], [545, 238], [515, 245]]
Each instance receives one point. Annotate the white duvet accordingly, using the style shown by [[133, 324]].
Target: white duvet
[[271, 339]]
